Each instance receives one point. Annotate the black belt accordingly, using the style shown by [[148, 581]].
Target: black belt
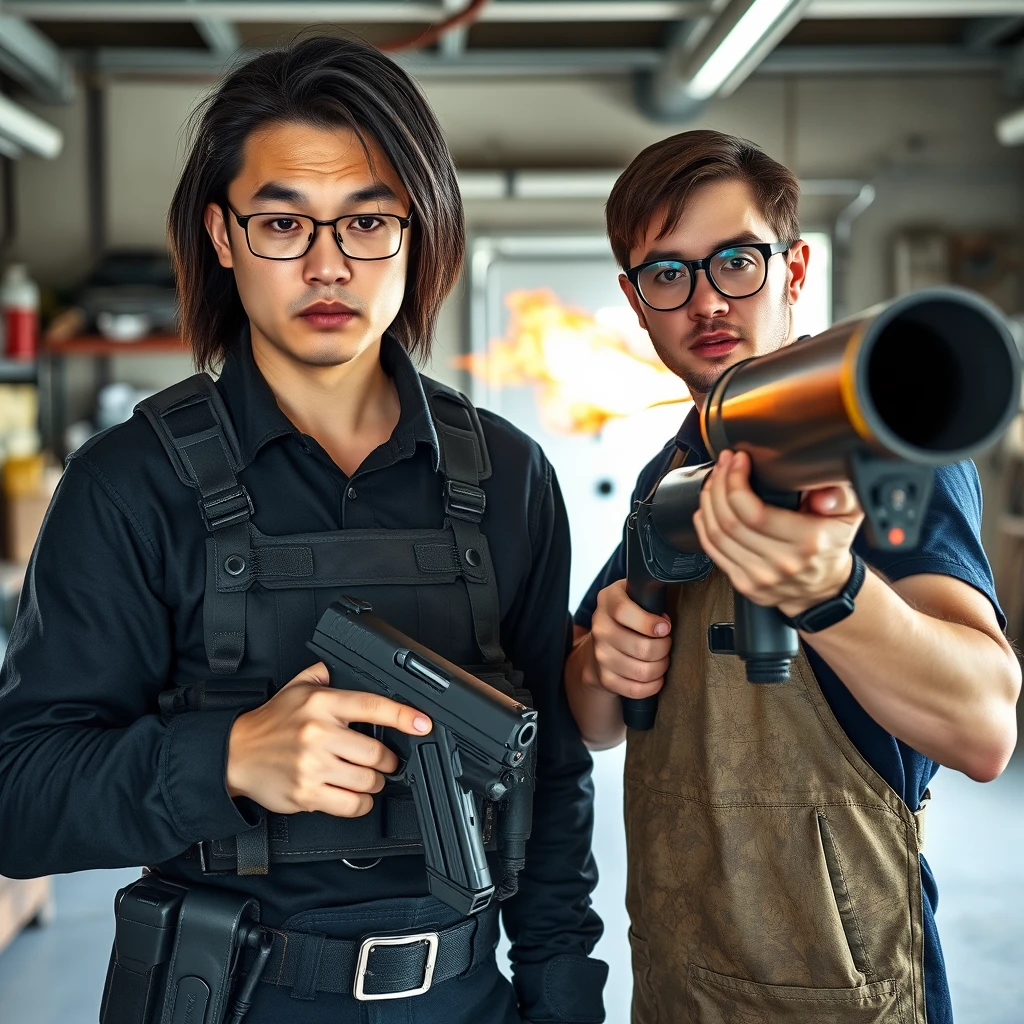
[[380, 966]]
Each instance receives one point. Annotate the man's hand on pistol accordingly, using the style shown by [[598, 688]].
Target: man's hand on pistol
[[296, 752]]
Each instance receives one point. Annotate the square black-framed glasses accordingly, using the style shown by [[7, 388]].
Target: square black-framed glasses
[[650, 271], [243, 223]]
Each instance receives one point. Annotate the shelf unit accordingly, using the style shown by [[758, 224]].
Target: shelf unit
[[53, 380]]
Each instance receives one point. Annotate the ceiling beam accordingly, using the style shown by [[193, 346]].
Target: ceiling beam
[[428, 11], [158, 62], [853, 9], [785, 60], [349, 11], [879, 60], [33, 61]]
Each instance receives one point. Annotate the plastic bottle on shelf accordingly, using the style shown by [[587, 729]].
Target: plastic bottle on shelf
[[19, 298]]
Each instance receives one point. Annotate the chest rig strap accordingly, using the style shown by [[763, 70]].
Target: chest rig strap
[[196, 431], [465, 462]]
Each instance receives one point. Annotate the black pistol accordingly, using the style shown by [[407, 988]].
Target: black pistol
[[480, 743]]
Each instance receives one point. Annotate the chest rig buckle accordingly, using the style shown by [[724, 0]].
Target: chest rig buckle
[[226, 508], [464, 501]]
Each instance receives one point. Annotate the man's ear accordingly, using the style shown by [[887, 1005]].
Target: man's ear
[[799, 257], [633, 299], [217, 229]]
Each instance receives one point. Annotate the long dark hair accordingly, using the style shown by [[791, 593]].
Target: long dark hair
[[326, 83]]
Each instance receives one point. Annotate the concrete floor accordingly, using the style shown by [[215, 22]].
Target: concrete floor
[[53, 975]]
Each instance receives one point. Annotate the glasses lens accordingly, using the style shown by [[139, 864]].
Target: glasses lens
[[665, 285], [738, 272], [279, 236], [370, 236]]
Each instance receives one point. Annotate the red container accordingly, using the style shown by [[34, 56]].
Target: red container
[[19, 299], [21, 333]]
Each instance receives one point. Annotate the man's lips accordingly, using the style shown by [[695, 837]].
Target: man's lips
[[715, 343], [328, 314]]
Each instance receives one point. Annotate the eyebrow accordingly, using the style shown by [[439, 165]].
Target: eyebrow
[[274, 191], [656, 255]]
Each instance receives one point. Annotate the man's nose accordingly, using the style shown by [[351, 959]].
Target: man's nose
[[325, 263], [707, 302]]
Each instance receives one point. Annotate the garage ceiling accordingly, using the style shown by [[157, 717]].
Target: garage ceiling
[[681, 51], [532, 35]]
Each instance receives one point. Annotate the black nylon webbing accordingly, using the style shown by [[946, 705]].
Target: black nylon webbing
[[465, 462], [223, 618], [352, 558], [209, 459]]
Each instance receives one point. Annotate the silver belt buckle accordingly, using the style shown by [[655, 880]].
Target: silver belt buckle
[[371, 943]]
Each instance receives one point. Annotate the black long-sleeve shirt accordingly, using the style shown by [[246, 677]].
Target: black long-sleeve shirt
[[90, 774]]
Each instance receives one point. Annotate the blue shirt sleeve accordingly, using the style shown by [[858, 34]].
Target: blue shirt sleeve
[[950, 543], [615, 568]]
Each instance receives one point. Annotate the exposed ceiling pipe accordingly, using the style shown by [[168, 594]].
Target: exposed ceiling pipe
[[418, 40], [35, 62], [23, 130], [842, 249], [722, 58]]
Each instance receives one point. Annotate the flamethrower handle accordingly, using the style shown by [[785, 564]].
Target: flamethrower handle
[[644, 590]]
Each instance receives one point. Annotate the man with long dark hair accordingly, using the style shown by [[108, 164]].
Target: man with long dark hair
[[158, 702]]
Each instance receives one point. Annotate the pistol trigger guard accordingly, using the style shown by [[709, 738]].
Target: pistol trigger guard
[[399, 774]]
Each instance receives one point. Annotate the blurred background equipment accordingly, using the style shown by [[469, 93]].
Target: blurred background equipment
[[902, 119]]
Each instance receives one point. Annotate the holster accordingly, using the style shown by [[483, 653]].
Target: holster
[[176, 954]]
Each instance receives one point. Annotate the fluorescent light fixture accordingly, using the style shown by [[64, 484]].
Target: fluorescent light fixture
[[582, 184], [26, 131], [734, 46], [483, 184], [1010, 129]]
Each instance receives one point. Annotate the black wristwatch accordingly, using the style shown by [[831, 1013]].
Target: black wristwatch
[[835, 609]]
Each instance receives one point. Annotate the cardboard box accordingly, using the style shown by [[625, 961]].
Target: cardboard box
[[23, 516], [21, 901]]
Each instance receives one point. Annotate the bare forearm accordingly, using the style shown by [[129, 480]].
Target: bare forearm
[[598, 713], [946, 689]]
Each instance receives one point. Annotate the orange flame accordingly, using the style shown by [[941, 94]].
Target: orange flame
[[587, 369]]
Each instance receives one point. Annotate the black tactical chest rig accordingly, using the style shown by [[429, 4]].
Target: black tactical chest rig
[[259, 585]]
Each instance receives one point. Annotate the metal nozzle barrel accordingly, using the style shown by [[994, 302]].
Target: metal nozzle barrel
[[930, 378]]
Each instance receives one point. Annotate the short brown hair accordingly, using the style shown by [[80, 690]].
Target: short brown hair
[[326, 83], [665, 174]]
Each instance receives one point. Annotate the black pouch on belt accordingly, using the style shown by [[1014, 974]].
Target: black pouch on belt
[[145, 921], [177, 952]]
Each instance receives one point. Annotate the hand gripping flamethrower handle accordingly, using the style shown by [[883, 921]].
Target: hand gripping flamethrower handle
[[478, 745], [644, 590]]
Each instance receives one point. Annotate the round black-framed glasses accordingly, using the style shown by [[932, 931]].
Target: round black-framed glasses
[[735, 271], [289, 236]]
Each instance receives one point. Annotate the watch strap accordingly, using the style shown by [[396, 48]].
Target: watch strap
[[834, 609]]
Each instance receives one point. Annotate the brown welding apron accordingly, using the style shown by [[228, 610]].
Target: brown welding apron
[[774, 877]]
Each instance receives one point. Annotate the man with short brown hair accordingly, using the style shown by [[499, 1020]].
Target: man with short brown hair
[[774, 832]]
